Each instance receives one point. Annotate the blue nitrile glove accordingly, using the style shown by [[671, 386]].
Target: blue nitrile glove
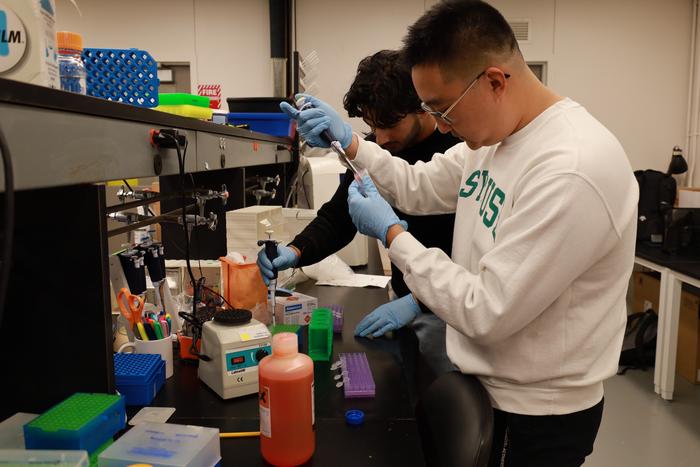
[[286, 258], [390, 316], [318, 117], [371, 215]]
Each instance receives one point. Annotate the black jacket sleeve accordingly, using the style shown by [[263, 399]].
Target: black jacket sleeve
[[330, 231]]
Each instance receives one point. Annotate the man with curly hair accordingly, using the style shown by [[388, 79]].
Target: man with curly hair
[[382, 94]]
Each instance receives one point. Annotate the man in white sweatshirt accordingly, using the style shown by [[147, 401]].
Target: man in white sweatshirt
[[545, 201]]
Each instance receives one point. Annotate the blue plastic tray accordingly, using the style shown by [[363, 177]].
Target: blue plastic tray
[[275, 124], [81, 422], [123, 75], [139, 377]]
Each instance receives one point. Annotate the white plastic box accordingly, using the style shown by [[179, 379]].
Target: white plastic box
[[164, 445], [295, 309], [34, 457], [245, 226], [12, 430]]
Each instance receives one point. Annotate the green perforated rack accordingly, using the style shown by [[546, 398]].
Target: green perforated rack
[[321, 335]]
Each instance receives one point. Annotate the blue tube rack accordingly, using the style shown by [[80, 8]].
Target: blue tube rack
[[123, 75]]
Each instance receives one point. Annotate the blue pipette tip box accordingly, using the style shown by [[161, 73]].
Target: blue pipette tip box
[[139, 377], [83, 422]]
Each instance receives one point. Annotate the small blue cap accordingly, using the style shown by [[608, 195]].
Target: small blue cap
[[354, 417]]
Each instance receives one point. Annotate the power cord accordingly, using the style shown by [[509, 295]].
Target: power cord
[[196, 284], [9, 223], [181, 155]]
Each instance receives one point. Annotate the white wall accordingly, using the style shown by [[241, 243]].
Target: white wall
[[342, 33], [233, 46], [226, 41], [627, 61]]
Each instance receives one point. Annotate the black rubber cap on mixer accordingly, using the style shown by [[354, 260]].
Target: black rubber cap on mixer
[[233, 317]]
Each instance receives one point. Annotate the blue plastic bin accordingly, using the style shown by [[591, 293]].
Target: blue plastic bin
[[81, 422], [139, 377], [275, 124]]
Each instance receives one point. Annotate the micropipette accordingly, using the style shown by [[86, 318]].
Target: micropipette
[[271, 252], [338, 149]]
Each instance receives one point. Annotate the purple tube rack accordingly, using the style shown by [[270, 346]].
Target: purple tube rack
[[357, 375], [337, 318]]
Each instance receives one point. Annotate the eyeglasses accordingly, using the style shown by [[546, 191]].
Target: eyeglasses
[[443, 115]]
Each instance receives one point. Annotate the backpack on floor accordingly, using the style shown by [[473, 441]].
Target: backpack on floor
[[639, 345]]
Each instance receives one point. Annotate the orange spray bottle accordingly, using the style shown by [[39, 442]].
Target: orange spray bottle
[[286, 398]]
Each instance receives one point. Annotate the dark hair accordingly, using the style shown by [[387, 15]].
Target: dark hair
[[459, 36], [382, 92]]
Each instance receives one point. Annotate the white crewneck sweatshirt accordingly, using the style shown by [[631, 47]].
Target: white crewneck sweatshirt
[[534, 294]]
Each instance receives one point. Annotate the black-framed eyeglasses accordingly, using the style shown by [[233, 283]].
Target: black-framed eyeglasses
[[443, 115]]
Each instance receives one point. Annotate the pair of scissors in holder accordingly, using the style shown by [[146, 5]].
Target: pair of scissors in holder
[[133, 309]]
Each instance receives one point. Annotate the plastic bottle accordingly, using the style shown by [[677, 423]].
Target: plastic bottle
[[70, 64], [286, 398]]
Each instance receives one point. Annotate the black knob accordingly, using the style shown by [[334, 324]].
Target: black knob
[[260, 354]]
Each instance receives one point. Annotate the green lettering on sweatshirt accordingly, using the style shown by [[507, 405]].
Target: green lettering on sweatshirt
[[490, 195]]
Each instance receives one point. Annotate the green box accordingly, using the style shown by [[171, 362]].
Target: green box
[[321, 335], [181, 98]]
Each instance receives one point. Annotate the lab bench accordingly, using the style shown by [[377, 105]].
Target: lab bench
[[675, 271], [57, 328], [57, 332], [389, 435]]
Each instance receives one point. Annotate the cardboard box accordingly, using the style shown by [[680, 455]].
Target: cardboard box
[[688, 353], [645, 295], [645, 292], [689, 197], [295, 309]]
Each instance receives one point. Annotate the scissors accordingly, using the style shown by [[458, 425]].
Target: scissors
[[135, 306]]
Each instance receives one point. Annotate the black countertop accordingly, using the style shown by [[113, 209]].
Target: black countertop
[[687, 263], [389, 435]]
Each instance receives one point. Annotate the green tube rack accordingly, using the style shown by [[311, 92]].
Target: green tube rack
[[321, 335]]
